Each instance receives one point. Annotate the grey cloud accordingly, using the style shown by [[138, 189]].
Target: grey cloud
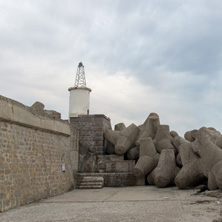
[[173, 46], [191, 45]]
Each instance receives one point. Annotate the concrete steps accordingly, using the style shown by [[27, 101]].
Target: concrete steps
[[115, 172], [90, 182], [114, 179]]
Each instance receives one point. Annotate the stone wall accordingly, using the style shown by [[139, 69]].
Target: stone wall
[[92, 143], [91, 131], [32, 150]]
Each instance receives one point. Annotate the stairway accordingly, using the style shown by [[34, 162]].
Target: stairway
[[115, 172], [90, 182]]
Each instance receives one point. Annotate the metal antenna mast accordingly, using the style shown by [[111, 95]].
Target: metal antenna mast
[[80, 76]]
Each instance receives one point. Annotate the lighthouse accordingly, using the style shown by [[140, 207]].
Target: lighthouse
[[79, 94]]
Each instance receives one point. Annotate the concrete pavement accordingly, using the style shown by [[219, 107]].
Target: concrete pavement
[[142, 203]]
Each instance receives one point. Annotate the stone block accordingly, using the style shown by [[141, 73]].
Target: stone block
[[120, 166], [115, 157], [91, 130]]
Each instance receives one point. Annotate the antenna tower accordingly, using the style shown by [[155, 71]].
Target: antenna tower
[[80, 76]]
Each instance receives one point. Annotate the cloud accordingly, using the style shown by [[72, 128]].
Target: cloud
[[123, 98], [140, 57]]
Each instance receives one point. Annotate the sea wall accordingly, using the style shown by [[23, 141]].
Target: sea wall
[[34, 146]]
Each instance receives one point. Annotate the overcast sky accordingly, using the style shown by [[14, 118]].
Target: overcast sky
[[140, 56]]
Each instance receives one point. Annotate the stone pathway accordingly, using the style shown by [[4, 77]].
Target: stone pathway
[[142, 203]]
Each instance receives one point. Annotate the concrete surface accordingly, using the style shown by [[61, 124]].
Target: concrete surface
[[145, 203]]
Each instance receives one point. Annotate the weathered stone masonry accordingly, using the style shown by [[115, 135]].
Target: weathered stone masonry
[[92, 144], [32, 149], [92, 128], [95, 161]]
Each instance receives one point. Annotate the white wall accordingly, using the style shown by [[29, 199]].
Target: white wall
[[79, 101]]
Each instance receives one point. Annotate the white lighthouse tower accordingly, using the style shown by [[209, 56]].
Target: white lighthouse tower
[[79, 94]]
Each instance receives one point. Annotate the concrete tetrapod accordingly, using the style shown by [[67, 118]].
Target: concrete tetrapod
[[148, 128], [200, 159], [205, 134], [151, 124], [150, 178], [163, 138], [143, 134], [190, 135], [133, 153], [215, 177], [190, 175], [166, 169], [119, 127], [211, 162], [148, 158], [177, 141], [126, 139], [191, 172], [184, 149], [173, 133], [112, 136]]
